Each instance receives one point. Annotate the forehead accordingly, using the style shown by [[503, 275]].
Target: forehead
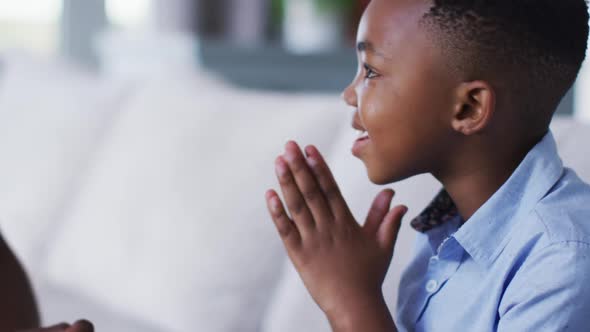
[[388, 24]]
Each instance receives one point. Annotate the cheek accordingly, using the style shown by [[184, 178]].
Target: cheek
[[399, 129], [384, 113], [376, 104], [368, 96]]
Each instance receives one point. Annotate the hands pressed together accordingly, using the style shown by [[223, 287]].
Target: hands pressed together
[[342, 264]]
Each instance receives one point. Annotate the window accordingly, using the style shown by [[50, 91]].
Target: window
[[128, 13], [31, 25]]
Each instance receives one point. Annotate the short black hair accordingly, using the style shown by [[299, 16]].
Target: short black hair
[[539, 44]]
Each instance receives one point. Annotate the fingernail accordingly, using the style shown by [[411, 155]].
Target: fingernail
[[290, 156], [291, 145], [274, 205], [311, 161], [280, 168]]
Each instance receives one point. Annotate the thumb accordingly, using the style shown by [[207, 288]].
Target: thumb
[[378, 210], [81, 326], [389, 228]]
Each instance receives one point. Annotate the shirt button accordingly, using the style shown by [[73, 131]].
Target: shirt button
[[431, 286], [434, 260]]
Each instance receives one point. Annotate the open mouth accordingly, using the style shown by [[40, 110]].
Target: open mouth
[[363, 135], [362, 140]]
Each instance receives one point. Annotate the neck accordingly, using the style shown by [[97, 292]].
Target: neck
[[471, 182]]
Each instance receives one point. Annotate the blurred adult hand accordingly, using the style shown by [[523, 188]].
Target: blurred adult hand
[[79, 326]]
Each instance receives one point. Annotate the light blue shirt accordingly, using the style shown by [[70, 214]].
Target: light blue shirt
[[521, 263]]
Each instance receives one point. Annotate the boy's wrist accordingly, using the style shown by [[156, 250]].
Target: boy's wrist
[[370, 315]]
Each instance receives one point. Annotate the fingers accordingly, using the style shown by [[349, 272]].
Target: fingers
[[389, 229], [378, 210], [55, 328], [307, 184], [81, 326], [328, 185], [310, 192], [293, 198], [285, 226]]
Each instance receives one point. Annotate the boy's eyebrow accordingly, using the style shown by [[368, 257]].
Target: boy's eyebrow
[[367, 46]]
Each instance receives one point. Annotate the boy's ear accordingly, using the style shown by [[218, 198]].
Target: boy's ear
[[475, 105]]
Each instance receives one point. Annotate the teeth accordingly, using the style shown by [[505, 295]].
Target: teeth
[[362, 134]]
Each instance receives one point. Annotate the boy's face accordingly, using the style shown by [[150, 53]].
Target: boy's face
[[402, 92]]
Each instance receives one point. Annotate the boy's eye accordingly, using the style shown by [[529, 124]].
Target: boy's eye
[[369, 72]]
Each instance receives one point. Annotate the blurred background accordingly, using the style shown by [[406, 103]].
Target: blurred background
[[137, 140], [289, 45], [271, 44]]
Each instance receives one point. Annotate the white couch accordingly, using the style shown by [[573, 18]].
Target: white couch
[[141, 205]]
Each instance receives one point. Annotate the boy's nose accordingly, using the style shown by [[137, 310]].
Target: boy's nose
[[349, 96]]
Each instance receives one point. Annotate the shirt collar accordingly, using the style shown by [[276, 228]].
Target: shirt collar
[[487, 232], [439, 211]]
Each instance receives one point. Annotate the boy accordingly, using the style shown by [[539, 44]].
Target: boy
[[464, 90], [18, 309]]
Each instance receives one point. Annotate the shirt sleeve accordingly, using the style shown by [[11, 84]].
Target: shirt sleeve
[[550, 292]]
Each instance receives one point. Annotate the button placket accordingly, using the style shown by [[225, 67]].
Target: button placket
[[441, 268], [431, 286], [435, 269], [434, 260]]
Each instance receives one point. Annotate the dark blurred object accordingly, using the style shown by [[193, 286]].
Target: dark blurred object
[[237, 21], [261, 21], [175, 15], [210, 20], [273, 68], [269, 66]]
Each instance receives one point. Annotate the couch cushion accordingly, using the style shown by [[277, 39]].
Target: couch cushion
[[52, 117], [171, 225], [61, 304]]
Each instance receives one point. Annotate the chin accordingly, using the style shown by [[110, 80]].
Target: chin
[[381, 179], [384, 178]]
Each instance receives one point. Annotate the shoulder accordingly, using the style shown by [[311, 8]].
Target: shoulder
[[563, 215], [547, 261], [552, 244], [555, 230], [549, 291]]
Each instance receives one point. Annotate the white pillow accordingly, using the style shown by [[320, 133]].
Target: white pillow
[[172, 225], [51, 118], [572, 138], [292, 309], [62, 305]]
